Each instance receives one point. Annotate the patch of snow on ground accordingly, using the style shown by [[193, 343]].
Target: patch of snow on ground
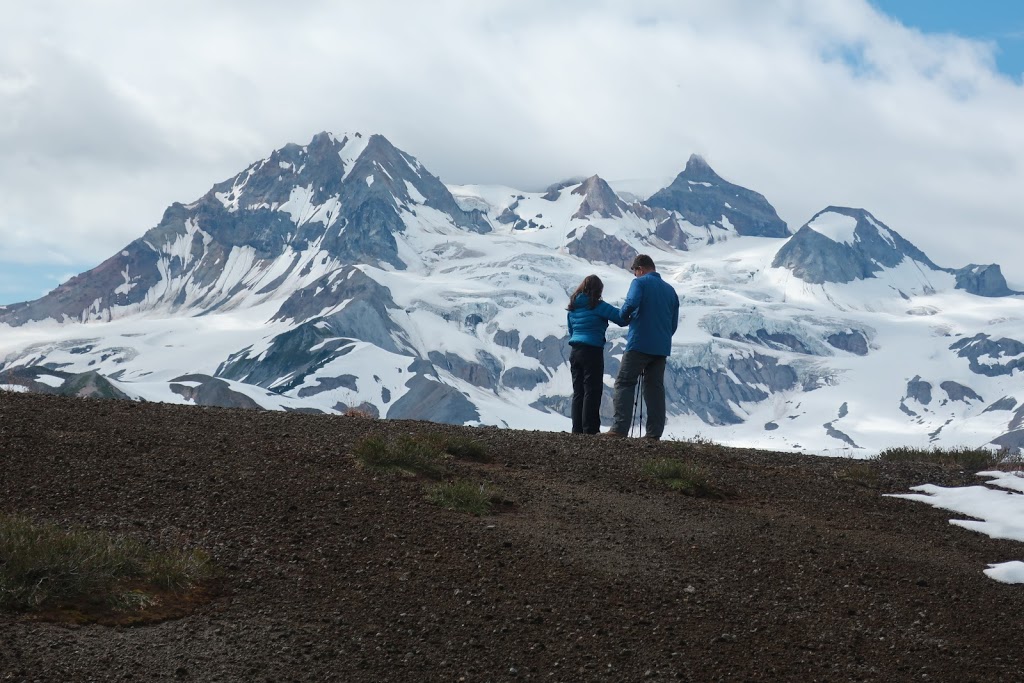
[[998, 512]]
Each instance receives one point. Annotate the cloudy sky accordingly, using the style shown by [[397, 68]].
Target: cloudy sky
[[110, 110]]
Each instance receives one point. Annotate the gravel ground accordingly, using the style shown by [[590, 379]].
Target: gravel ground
[[590, 572]]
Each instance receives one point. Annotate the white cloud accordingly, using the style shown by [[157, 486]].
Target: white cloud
[[113, 110]]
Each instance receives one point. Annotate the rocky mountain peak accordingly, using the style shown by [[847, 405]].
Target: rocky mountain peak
[[599, 198], [983, 280], [336, 200], [377, 150], [704, 199], [842, 244], [327, 139], [698, 169]]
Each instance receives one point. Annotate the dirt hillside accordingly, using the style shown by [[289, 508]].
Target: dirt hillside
[[591, 571]]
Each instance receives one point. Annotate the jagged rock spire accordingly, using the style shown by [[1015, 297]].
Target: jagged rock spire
[[599, 198], [703, 198]]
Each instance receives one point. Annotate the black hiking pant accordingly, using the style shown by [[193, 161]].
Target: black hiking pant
[[587, 366]]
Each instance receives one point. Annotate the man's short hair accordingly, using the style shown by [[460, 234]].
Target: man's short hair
[[643, 261]]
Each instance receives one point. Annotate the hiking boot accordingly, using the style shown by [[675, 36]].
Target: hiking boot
[[652, 438], [613, 435]]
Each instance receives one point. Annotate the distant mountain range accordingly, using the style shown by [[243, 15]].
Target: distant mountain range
[[342, 275]]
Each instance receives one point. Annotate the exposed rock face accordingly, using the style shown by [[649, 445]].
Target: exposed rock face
[[667, 228], [482, 373], [958, 392], [204, 390], [982, 346], [523, 378], [853, 342], [323, 384], [428, 399], [594, 245], [551, 351], [90, 293], [293, 354], [90, 385], [773, 340], [510, 217], [598, 198], [49, 380], [809, 335], [1012, 441], [1005, 403], [703, 198], [837, 434], [708, 391], [345, 284], [817, 258], [985, 280], [561, 405], [919, 390], [1018, 418], [553, 191], [507, 338]]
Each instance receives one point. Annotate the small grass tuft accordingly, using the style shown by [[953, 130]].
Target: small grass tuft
[[463, 495], [46, 568], [465, 448], [860, 473], [699, 439], [962, 457], [175, 570], [406, 455], [680, 476]]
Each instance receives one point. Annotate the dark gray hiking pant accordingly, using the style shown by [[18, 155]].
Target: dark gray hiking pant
[[635, 363]]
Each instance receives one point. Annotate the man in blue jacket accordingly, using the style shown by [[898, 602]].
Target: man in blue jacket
[[652, 309]]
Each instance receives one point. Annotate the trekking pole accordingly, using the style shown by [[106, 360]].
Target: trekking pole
[[638, 408], [640, 419]]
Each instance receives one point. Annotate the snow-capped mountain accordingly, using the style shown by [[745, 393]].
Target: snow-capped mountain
[[342, 275]]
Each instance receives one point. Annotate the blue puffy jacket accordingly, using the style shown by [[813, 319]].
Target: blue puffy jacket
[[652, 309], [587, 325]]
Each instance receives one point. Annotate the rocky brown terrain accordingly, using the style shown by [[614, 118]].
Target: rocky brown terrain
[[590, 571]]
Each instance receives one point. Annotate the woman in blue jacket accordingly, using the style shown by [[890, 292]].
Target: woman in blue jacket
[[588, 320]]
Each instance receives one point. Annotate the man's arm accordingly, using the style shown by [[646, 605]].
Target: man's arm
[[632, 303], [675, 312]]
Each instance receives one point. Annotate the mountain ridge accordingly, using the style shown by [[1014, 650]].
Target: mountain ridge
[[343, 275]]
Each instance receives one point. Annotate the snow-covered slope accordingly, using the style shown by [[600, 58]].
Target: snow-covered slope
[[343, 275]]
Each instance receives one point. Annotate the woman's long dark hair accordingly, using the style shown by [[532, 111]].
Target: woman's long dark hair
[[592, 287]]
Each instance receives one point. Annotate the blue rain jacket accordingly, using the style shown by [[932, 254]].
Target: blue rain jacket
[[652, 310], [588, 325]]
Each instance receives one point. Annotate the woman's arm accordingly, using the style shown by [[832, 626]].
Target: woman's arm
[[609, 312], [633, 299]]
